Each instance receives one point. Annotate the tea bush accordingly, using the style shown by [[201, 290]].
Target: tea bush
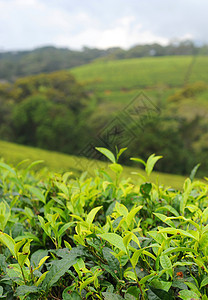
[[101, 237]]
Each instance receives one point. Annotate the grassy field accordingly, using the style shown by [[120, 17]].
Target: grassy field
[[57, 162], [158, 77]]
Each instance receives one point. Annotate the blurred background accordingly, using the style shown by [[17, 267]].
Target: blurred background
[[79, 74]]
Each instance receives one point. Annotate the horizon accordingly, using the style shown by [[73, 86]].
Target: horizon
[[175, 43]]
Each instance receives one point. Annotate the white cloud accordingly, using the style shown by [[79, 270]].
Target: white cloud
[[30, 23]]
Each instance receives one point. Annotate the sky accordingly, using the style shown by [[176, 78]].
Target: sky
[[28, 24]]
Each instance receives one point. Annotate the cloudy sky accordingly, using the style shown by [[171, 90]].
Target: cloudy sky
[[26, 24]]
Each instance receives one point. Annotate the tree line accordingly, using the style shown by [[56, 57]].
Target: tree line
[[48, 59]]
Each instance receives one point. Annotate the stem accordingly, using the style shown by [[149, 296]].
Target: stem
[[137, 280], [23, 275]]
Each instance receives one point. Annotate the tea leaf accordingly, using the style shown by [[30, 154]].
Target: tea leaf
[[91, 215], [8, 242], [24, 290], [114, 239], [57, 270], [107, 153], [151, 161], [188, 295]]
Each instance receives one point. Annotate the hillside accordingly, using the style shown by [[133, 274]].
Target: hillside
[[58, 162], [134, 75], [168, 96], [48, 59], [151, 105]]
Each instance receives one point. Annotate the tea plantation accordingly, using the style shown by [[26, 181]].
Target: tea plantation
[[101, 237]]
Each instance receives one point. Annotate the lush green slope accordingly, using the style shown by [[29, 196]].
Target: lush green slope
[[158, 77], [58, 162], [136, 74], [178, 88]]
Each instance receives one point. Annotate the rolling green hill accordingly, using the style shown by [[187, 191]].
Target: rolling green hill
[[57, 162], [131, 75], [158, 104], [177, 86]]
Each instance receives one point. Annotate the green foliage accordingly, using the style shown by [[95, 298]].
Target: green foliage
[[88, 238], [43, 109]]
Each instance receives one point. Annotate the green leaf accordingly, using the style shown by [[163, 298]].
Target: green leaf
[[163, 295], [68, 295], [107, 153], [135, 257], [35, 191], [120, 152], [187, 189], [179, 249], [8, 242], [14, 270], [4, 214], [19, 245], [1, 290], [162, 285], [138, 160], [34, 163], [205, 215], [131, 214], [112, 261], [170, 209], [111, 296], [25, 290], [91, 215], [204, 282], [151, 162], [188, 295], [86, 282], [165, 262], [164, 219], [177, 231], [114, 239], [146, 278], [116, 168], [65, 227], [193, 172], [8, 168], [127, 239], [41, 262], [134, 291], [192, 287], [57, 270], [41, 278]]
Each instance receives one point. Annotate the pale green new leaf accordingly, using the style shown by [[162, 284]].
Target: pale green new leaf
[[188, 295], [131, 214], [8, 242], [135, 257], [151, 161], [116, 168], [91, 215], [8, 168], [204, 282], [107, 153], [138, 160], [35, 191]]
